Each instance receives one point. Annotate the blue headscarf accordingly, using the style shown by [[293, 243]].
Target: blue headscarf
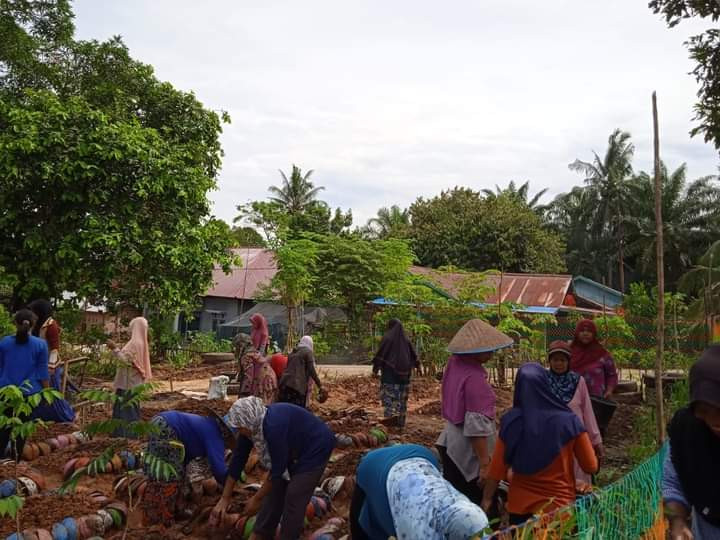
[[539, 425]]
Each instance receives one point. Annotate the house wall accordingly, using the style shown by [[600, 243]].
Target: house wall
[[228, 308]]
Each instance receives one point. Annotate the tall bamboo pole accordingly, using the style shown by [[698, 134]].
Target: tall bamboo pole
[[660, 280]]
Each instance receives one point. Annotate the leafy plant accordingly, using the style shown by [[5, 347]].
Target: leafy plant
[[6, 323], [15, 412]]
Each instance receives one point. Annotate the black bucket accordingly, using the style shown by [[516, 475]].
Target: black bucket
[[604, 410]]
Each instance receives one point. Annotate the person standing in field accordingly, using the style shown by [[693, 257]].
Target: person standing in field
[[47, 328], [468, 408], [395, 360], [133, 369], [257, 377], [570, 388], [540, 439], [691, 473], [592, 361], [260, 334], [295, 385]]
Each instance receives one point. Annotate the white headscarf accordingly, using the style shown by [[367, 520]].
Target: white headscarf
[[307, 342], [249, 413]]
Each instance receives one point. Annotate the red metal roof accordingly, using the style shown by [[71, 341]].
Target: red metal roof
[[244, 282], [546, 290]]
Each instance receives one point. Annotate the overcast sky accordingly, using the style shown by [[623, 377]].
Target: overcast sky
[[391, 100]]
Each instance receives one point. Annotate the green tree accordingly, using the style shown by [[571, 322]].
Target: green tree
[[461, 228], [702, 282], [393, 222], [520, 194], [296, 193], [104, 207], [704, 50], [607, 179], [691, 219]]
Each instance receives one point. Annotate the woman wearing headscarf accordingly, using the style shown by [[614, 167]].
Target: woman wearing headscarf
[[468, 407], [570, 388], [23, 363], [691, 475], [401, 493], [257, 377], [133, 369], [295, 383], [539, 439], [259, 333], [47, 328], [294, 446], [592, 362], [395, 360]]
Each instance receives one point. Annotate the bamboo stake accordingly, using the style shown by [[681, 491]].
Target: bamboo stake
[[660, 280]]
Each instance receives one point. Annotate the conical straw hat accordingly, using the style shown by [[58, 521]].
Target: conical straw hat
[[477, 336]]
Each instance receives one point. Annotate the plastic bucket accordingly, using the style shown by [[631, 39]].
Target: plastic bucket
[[604, 410]]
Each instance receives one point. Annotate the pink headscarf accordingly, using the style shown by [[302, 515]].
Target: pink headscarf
[[137, 348], [259, 333], [465, 388]]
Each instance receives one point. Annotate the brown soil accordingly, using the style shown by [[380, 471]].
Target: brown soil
[[167, 372], [434, 408], [344, 464], [53, 430], [42, 511], [55, 462], [618, 440]]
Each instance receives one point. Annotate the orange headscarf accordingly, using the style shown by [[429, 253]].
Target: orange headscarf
[[137, 348]]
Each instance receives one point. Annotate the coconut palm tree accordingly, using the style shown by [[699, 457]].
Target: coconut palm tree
[[296, 193], [691, 220], [520, 194], [389, 222], [608, 178]]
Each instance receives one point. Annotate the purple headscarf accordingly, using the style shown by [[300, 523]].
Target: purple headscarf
[[539, 425], [465, 388]]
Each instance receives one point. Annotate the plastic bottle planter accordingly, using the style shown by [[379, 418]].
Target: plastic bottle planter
[[329, 530], [338, 484], [32, 450], [29, 482], [374, 438], [112, 516], [120, 462]]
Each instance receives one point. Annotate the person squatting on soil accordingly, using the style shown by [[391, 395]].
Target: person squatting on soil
[[259, 334], [395, 360], [294, 446], [691, 472], [48, 329], [133, 369], [570, 388], [296, 381], [592, 362], [257, 377], [191, 444], [400, 492], [539, 439], [23, 363], [468, 408]]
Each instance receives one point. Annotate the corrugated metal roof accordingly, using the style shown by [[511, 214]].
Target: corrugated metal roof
[[244, 282], [539, 290]]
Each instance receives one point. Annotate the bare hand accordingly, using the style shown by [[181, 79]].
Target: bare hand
[[218, 513], [483, 473], [252, 507], [680, 531]]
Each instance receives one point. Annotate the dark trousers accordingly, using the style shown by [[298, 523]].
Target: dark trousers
[[288, 500], [519, 519], [453, 475], [15, 453], [127, 413], [356, 530]]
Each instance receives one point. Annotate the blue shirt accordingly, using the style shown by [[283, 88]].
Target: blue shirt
[[297, 440], [375, 516], [202, 438], [24, 365]]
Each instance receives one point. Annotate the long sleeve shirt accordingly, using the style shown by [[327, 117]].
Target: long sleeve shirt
[[201, 437], [24, 365], [297, 440]]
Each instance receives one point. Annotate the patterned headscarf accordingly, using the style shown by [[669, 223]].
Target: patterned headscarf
[[565, 384], [249, 413]]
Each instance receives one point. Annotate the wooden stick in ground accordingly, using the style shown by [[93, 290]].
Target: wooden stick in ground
[[660, 280]]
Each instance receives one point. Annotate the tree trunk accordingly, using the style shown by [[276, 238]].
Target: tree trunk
[[660, 416], [621, 258]]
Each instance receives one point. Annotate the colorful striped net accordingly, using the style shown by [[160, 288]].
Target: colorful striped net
[[631, 508]]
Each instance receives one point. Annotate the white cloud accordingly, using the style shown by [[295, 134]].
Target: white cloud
[[388, 101]]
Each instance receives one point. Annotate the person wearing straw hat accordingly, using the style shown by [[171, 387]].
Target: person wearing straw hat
[[468, 407], [691, 473], [571, 389], [182, 440]]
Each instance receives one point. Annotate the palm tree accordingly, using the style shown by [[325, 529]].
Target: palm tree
[[389, 222], [608, 179], [519, 194], [691, 219], [703, 281], [296, 193]]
